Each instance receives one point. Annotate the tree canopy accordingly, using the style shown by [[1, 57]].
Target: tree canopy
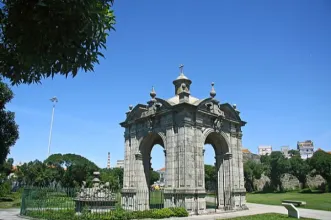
[[321, 163], [42, 38], [8, 127]]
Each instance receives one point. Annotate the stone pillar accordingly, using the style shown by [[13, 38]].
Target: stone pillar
[[220, 181], [227, 181]]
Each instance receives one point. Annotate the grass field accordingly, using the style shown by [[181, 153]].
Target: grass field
[[14, 203], [320, 201], [269, 216]]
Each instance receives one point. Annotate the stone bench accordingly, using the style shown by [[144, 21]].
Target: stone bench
[[294, 202], [291, 210]]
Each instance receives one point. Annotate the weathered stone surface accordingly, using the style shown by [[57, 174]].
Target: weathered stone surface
[[315, 181], [182, 125], [289, 182]]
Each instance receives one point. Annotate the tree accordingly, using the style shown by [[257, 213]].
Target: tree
[[252, 171], [78, 168], [279, 165], [293, 153], [210, 177], [8, 127], [33, 46], [6, 168], [154, 176], [321, 163], [299, 169], [114, 176]]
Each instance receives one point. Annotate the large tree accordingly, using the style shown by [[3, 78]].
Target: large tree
[[252, 170], [275, 166], [299, 168], [42, 38], [321, 163], [8, 126]]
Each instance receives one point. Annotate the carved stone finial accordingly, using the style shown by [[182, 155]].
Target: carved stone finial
[[152, 93], [212, 92], [130, 107]]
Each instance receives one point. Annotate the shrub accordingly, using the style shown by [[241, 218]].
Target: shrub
[[118, 214], [5, 188], [162, 213], [180, 212]]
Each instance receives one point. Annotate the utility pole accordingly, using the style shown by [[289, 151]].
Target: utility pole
[[54, 100]]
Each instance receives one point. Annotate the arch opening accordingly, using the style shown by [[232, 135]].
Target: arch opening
[[216, 170], [153, 156]]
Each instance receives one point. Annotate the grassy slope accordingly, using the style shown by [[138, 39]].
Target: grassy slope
[[320, 201]]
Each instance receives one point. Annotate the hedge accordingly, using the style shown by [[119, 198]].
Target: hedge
[[118, 214]]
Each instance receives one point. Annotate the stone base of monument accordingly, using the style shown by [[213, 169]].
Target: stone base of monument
[[94, 205]]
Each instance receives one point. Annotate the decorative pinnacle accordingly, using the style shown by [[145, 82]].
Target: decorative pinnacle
[[130, 107], [152, 93], [212, 91]]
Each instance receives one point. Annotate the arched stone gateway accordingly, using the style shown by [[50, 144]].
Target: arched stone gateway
[[182, 125]]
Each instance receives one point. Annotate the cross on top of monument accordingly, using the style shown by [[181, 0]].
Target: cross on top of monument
[[181, 67]]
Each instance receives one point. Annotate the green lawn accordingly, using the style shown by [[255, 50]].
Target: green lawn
[[14, 203], [269, 216], [320, 201]]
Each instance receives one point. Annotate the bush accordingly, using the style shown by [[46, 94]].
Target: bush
[[118, 214], [5, 188], [180, 212]]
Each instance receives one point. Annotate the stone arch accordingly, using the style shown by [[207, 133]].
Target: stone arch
[[210, 136], [222, 147], [146, 145]]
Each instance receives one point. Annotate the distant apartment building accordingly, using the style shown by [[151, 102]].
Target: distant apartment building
[[306, 149], [264, 150], [120, 164], [284, 150]]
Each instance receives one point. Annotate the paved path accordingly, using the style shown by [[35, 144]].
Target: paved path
[[12, 214]]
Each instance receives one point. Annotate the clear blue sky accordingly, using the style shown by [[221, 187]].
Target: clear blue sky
[[271, 58]]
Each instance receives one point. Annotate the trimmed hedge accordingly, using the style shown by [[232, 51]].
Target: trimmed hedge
[[118, 214]]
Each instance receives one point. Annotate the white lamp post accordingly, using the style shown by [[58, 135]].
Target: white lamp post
[[54, 100]]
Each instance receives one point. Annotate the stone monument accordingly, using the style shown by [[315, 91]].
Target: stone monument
[[98, 197], [182, 125]]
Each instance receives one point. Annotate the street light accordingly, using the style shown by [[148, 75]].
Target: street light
[[54, 100]]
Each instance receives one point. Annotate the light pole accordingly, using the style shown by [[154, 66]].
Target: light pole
[[54, 100]]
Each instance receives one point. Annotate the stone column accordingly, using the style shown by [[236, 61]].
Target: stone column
[[220, 181], [227, 180], [171, 173]]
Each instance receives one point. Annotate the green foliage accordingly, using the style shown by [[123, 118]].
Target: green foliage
[[180, 212], [252, 171], [299, 169], [8, 127], [293, 153], [154, 176], [33, 47], [210, 177], [5, 188], [118, 214], [321, 163], [114, 176], [275, 166], [52, 170]]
